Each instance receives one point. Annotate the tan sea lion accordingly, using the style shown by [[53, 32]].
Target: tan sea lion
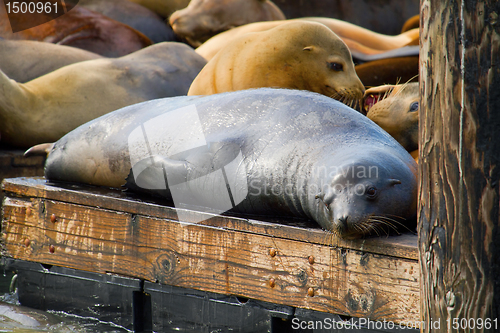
[[202, 19], [81, 28], [395, 109], [297, 55], [358, 39], [25, 60], [46, 108], [164, 8]]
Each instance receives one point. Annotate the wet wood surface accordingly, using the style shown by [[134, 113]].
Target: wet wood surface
[[459, 224], [295, 264]]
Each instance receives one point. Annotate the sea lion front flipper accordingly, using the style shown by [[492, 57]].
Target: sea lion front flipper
[[157, 174]]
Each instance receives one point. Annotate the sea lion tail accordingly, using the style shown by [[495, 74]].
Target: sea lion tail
[[39, 150]]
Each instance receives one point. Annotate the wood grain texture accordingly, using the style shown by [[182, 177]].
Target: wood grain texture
[[212, 258], [459, 235], [14, 164], [403, 246]]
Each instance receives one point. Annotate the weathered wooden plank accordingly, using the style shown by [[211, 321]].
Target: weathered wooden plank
[[403, 246], [14, 164], [459, 224], [213, 259]]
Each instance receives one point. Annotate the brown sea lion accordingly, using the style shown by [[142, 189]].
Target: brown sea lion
[[46, 108], [165, 8], [395, 109], [358, 39], [388, 71], [81, 28], [412, 23], [414, 154], [298, 55], [134, 15], [202, 19], [25, 60]]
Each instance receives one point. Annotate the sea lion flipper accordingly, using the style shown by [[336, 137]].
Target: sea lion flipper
[[156, 174], [149, 175], [42, 149]]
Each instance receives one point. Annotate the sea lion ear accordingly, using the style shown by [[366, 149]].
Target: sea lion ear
[[307, 48], [393, 182]]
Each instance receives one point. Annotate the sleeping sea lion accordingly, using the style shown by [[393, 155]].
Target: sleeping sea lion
[[358, 39], [202, 19], [134, 15], [260, 151], [81, 28], [164, 8], [297, 55], [395, 109], [46, 108], [25, 60]]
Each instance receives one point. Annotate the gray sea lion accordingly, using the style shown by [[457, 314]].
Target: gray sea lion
[[134, 15], [46, 108], [296, 55], [258, 151], [165, 8], [395, 109], [25, 60]]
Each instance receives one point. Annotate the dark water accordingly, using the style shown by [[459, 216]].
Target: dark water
[[17, 318]]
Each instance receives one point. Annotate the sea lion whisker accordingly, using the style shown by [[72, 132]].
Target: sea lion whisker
[[366, 227], [394, 216], [401, 224], [388, 224], [415, 76], [391, 222], [327, 237], [378, 226]]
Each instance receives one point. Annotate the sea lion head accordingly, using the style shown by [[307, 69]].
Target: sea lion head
[[395, 109], [321, 60], [370, 194], [202, 19]]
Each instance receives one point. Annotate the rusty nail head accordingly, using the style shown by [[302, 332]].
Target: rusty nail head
[[311, 260], [52, 248], [272, 282], [53, 218], [272, 252], [310, 292]]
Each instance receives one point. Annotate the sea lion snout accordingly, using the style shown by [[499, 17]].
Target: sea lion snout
[[370, 195], [395, 109]]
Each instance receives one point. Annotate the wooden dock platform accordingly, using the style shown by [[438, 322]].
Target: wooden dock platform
[[288, 262], [14, 164]]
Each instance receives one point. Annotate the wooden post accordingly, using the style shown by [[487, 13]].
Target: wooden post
[[459, 232]]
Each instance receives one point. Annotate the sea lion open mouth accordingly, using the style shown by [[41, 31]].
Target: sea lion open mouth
[[374, 95]]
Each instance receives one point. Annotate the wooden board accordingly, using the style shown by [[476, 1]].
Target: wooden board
[[302, 267], [14, 164]]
